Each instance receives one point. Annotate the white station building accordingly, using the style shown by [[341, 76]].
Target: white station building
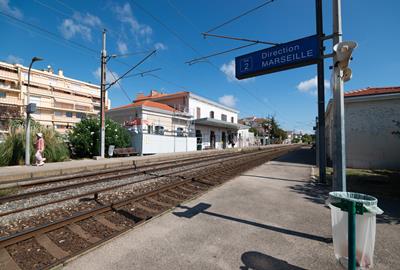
[[179, 122]]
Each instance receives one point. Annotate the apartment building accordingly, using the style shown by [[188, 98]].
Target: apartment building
[[61, 101]]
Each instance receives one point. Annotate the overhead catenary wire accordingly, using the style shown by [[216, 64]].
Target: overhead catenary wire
[[120, 85], [193, 61], [132, 68], [240, 39], [239, 16]]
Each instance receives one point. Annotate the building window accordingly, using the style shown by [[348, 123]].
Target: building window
[[80, 115], [223, 117], [58, 113], [68, 114], [232, 119], [150, 129], [36, 100], [198, 112], [159, 130], [3, 95], [212, 114], [179, 132]]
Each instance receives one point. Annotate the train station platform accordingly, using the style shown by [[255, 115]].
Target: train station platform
[[271, 217]]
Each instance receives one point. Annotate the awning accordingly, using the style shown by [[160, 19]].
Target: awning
[[216, 123]]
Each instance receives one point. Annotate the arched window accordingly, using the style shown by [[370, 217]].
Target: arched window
[[211, 114]]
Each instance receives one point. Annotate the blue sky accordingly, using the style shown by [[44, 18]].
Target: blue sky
[[174, 27]]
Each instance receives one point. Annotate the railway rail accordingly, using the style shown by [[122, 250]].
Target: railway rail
[[52, 242]]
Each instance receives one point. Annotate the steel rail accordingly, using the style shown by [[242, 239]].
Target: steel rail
[[105, 178], [32, 232], [130, 183]]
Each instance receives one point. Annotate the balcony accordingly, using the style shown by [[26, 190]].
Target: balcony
[[11, 101], [9, 75]]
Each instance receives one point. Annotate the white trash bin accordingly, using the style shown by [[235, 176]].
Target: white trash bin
[[365, 228]]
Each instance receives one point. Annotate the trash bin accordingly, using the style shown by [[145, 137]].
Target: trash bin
[[366, 209]]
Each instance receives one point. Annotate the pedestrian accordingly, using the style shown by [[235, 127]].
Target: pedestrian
[[39, 149]]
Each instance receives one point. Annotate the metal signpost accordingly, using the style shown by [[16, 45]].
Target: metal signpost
[[293, 54], [297, 53]]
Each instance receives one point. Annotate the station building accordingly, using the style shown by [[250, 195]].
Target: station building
[[179, 121], [370, 116], [61, 101]]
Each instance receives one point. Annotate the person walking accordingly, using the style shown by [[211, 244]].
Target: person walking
[[39, 149]]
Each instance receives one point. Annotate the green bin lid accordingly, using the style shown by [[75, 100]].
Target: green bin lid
[[369, 202]]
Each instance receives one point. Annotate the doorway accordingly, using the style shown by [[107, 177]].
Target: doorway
[[212, 139], [223, 140]]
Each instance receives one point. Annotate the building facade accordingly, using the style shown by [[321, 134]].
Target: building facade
[[155, 127], [61, 101], [369, 125], [212, 125]]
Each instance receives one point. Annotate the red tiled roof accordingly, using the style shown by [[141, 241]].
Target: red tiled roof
[[159, 95], [146, 103], [373, 91]]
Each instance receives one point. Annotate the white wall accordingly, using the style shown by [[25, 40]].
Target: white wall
[[245, 138], [369, 142], [205, 109], [152, 144]]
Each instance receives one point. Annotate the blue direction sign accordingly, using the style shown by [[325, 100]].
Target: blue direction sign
[[297, 53]]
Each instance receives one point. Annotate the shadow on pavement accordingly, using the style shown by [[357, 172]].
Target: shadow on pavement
[[201, 209], [304, 155], [254, 260], [318, 193]]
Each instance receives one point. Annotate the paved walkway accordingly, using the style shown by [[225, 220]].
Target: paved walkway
[[268, 218]]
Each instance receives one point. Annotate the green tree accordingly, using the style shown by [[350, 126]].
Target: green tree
[[278, 134], [85, 137], [12, 150]]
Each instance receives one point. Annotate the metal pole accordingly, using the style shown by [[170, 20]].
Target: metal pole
[[28, 122], [352, 235], [321, 94], [103, 95], [339, 155]]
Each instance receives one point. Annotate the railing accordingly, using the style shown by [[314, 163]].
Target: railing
[[9, 74], [11, 101]]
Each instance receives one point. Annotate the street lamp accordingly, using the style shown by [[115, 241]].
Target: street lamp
[[30, 108]]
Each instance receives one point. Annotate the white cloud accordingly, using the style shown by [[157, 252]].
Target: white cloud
[[229, 70], [310, 86], [79, 24], [110, 76], [69, 28], [160, 46], [122, 47], [228, 100], [124, 14], [87, 19], [12, 59], [13, 11]]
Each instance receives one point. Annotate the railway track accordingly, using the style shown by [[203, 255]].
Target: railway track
[[50, 243]]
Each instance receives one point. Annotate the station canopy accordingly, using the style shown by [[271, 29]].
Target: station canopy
[[217, 123]]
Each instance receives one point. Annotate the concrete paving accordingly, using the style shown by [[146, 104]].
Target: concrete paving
[[271, 217]]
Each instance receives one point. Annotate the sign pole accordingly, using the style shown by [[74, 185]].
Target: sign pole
[[339, 155], [103, 96], [321, 94]]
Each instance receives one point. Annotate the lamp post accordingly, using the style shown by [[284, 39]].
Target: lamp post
[[29, 110]]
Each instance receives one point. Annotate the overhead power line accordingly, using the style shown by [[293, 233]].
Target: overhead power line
[[132, 68], [48, 32], [120, 86], [196, 60], [240, 16], [240, 39]]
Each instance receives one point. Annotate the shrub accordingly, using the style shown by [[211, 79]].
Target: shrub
[[85, 137], [12, 151]]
